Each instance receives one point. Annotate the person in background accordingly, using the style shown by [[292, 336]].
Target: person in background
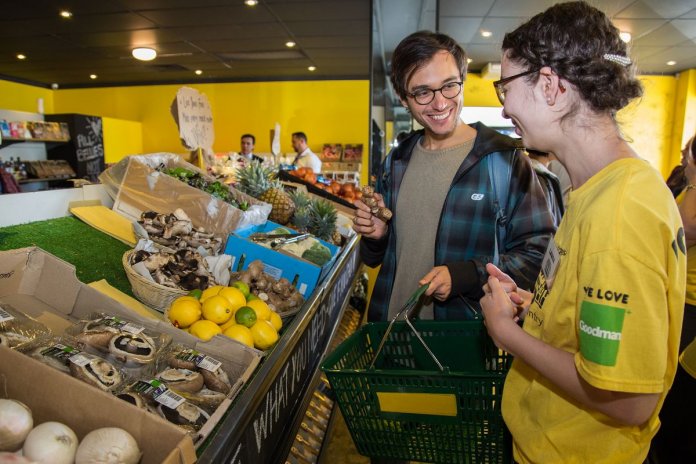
[[677, 179], [248, 141], [437, 184], [598, 349], [305, 157], [675, 442]]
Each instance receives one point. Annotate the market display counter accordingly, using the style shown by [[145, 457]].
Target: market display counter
[[262, 422]]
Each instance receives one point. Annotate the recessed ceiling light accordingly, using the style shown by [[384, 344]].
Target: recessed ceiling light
[[198, 72], [65, 14], [290, 44], [625, 36], [21, 56], [671, 63], [469, 60], [312, 68], [486, 33], [92, 76], [144, 53], [251, 2]]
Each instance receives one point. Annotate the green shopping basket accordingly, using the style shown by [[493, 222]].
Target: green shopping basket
[[428, 391]]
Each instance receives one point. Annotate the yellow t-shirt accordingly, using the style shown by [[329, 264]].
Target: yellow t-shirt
[[690, 267], [615, 301]]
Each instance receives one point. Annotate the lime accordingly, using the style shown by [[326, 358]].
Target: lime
[[276, 321], [196, 293], [264, 335], [205, 330], [245, 316], [263, 312], [217, 309], [243, 287], [240, 333], [234, 296], [184, 311], [252, 297]]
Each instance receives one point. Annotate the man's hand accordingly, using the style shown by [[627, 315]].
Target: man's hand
[[365, 223], [440, 282]]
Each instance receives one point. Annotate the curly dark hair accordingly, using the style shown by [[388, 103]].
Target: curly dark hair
[[572, 38], [416, 50]]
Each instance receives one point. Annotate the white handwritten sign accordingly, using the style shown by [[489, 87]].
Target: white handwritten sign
[[191, 110]]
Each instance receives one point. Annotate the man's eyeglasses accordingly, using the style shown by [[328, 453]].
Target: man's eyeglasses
[[425, 96], [500, 84]]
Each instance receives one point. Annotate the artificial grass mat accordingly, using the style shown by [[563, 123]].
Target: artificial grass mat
[[94, 254]]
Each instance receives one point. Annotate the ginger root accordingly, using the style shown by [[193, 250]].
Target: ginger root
[[368, 198]]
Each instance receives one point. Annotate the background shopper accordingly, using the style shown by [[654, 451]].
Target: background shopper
[[305, 157]]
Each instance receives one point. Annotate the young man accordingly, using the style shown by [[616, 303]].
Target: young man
[[305, 157], [248, 141], [438, 185]]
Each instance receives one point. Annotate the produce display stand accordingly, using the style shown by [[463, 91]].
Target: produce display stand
[[262, 423]]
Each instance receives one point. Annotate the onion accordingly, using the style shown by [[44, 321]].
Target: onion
[[15, 424], [51, 443], [108, 445]]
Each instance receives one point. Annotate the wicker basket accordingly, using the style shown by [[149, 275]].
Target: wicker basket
[[152, 294]]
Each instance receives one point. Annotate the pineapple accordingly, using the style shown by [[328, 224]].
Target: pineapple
[[260, 182], [302, 218], [323, 219]]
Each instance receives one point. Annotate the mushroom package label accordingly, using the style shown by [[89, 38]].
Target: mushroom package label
[[199, 359]]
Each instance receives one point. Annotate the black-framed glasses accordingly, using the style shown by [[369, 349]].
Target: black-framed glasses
[[500, 84], [449, 91]]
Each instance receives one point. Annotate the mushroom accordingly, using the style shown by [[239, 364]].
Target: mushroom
[[44, 354], [97, 372], [217, 381], [12, 339], [177, 228], [209, 399], [177, 362], [182, 380], [130, 347], [97, 334], [187, 414]]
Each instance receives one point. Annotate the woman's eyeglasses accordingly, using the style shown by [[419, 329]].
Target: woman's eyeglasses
[[500, 84], [425, 96]]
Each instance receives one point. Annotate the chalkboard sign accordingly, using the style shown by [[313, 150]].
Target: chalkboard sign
[[85, 151]]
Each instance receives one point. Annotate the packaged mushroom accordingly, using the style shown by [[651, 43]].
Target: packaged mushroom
[[16, 329], [120, 340], [154, 396], [60, 353], [197, 377]]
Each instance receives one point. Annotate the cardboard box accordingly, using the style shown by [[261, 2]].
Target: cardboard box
[[45, 288], [54, 396], [302, 273], [353, 152], [331, 152]]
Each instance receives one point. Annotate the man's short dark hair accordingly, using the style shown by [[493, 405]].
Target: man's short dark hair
[[245, 136], [300, 135], [416, 50]]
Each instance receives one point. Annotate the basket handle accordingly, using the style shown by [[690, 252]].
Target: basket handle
[[411, 303]]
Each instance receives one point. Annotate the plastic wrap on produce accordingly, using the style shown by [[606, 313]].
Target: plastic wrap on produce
[[136, 185]]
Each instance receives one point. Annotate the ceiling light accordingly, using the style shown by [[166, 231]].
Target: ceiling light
[[671, 63], [65, 14], [21, 56], [290, 44], [312, 68], [92, 76], [486, 33], [144, 53], [469, 60], [198, 72], [625, 36], [251, 2]]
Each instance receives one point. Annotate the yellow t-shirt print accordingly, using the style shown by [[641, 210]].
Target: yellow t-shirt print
[[600, 332]]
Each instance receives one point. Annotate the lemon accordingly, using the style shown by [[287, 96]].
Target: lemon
[[184, 311], [234, 296], [245, 316], [243, 287], [276, 321], [211, 291], [240, 333], [264, 335], [228, 324], [263, 312], [205, 330], [217, 309]]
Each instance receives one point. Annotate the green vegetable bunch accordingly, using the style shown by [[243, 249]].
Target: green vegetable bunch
[[215, 188]]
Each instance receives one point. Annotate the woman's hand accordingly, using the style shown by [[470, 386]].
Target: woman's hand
[[440, 282], [367, 224], [521, 298]]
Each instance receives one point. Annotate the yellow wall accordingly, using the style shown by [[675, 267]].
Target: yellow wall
[[121, 138], [20, 97]]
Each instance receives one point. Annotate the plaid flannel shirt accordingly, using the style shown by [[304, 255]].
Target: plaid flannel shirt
[[466, 229]]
